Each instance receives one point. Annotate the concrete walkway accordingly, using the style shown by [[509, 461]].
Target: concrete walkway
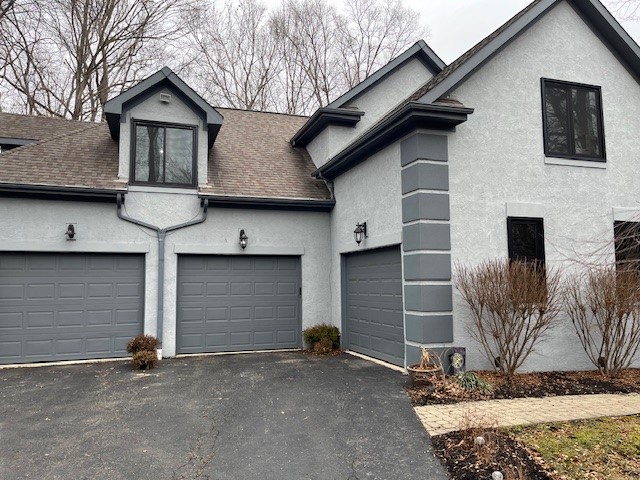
[[439, 419]]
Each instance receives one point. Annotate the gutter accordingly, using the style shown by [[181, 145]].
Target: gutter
[[269, 203], [408, 117], [52, 192], [161, 234]]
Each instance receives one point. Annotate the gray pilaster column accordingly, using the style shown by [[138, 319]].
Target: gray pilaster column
[[426, 239]]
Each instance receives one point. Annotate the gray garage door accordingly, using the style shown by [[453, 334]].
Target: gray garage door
[[374, 314], [236, 303], [68, 306]]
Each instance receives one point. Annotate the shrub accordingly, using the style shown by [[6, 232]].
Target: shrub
[[471, 381], [604, 306], [324, 346], [327, 336], [141, 343], [513, 305], [145, 359]]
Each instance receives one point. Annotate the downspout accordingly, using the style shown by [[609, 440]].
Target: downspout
[[162, 235], [328, 183]]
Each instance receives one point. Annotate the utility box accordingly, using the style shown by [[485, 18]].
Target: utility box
[[457, 357]]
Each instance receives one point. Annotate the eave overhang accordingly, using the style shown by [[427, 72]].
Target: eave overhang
[[16, 142], [52, 192], [323, 117], [115, 108], [409, 117], [268, 203]]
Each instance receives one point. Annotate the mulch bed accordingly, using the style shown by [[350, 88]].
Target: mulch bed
[[464, 461], [537, 384]]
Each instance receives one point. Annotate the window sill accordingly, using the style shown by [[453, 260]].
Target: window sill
[[567, 162], [170, 190]]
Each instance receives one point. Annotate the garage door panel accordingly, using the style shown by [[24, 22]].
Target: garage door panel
[[374, 307], [72, 306], [250, 303]]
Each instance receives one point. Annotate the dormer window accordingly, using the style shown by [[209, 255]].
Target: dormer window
[[163, 154]]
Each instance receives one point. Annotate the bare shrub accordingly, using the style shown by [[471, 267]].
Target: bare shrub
[[479, 432], [145, 360], [513, 305], [604, 306]]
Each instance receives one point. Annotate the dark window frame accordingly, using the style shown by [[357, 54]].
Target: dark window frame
[[570, 132], [623, 230], [132, 152], [539, 241]]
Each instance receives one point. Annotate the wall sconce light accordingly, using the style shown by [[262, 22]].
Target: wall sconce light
[[243, 239], [360, 232], [71, 232]]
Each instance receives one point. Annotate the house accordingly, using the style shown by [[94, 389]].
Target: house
[[225, 230]]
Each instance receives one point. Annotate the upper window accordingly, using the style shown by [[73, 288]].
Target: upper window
[[164, 154], [627, 244], [572, 121], [526, 239]]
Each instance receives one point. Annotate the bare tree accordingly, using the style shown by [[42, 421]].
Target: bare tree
[[513, 305], [5, 7], [67, 56], [372, 34], [309, 29], [625, 9], [604, 306], [297, 57], [235, 56]]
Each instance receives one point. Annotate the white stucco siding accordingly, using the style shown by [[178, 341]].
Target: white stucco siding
[[153, 109], [497, 158], [369, 192], [40, 226], [305, 234], [375, 103]]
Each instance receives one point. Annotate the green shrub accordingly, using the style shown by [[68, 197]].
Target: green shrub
[[471, 382], [145, 359], [141, 343], [326, 335]]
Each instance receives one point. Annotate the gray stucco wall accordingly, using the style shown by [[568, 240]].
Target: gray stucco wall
[[369, 192], [376, 102], [498, 167], [99, 230], [155, 110]]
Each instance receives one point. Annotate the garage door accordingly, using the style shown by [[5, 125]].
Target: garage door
[[236, 303], [374, 313], [68, 306]]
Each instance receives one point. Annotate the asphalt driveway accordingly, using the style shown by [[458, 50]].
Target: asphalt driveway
[[264, 416]]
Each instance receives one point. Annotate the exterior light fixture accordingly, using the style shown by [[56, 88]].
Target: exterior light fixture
[[360, 232], [243, 239], [71, 232]]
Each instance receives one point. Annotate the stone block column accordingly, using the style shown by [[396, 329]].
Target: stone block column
[[426, 243]]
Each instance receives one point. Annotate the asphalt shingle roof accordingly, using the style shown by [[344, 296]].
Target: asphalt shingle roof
[[251, 157], [462, 59]]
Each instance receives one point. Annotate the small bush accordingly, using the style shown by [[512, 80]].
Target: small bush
[[471, 382], [145, 359], [141, 343], [322, 338], [322, 347]]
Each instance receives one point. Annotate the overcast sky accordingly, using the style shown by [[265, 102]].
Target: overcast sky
[[457, 25]]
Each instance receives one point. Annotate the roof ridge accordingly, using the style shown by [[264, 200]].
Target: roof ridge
[[236, 109], [436, 79], [50, 139], [46, 117]]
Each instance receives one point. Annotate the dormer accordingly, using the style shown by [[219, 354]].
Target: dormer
[[332, 128], [164, 130]]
